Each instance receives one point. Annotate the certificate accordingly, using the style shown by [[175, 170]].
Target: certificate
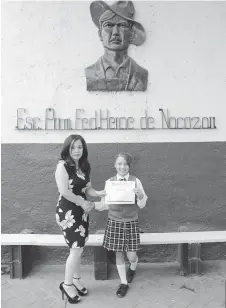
[[120, 192]]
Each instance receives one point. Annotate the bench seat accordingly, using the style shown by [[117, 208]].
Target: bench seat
[[97, 239], [189, 248]]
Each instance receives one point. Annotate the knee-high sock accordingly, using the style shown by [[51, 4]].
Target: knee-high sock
[[122, 272]]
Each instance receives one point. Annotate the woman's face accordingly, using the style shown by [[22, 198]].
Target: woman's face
[[121, 166], [76, 150]]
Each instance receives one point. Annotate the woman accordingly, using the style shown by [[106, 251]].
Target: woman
[[73, 181]]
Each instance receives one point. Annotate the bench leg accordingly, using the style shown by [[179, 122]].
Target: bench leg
[[21, 261], [195, 263], [189, 257], [16, 262], [183, 259], [100, 261]]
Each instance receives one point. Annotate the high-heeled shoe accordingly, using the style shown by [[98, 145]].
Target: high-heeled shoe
[[71, 300], [83, 291]]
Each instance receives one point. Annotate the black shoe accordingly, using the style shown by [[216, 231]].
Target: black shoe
[[130, 275], [122, 290], [71, 300], [81, 292]]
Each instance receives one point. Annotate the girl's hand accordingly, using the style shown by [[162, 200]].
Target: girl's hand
[[139, 193], [91, 207], [101, 193]]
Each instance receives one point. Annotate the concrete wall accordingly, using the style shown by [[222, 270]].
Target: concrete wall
[[45, 48], [185, 183]]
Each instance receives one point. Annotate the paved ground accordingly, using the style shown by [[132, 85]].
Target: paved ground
[[156, 285]]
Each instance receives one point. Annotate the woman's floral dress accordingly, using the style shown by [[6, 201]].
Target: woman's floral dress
[[71, 218]]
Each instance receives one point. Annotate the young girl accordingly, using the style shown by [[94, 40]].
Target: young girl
[[122, 232]]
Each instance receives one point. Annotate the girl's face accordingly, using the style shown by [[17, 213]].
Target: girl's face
[[121, 166], [76, 150]]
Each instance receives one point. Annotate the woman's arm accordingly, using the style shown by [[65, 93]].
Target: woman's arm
[[62, 180]]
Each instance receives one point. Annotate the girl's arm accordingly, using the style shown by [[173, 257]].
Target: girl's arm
[[91, 192], [141, 196], [101, 206], [62, 180]]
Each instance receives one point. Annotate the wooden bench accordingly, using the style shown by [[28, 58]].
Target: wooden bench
[[189, 248]]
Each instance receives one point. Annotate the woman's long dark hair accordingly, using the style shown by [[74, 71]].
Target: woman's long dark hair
[[83, 161]]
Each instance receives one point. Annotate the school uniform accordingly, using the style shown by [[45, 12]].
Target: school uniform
[[122, 231]]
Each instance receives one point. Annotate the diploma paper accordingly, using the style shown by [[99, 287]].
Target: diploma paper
[[120, 192]]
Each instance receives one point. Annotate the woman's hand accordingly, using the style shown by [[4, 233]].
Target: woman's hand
[[139, 193], [88, 185], [87, 206], [101, 193]]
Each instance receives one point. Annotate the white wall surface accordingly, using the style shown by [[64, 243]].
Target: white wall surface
[[47, 45]]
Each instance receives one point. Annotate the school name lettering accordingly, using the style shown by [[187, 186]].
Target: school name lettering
[[103, 119]]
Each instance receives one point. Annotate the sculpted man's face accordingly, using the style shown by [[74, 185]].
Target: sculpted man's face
[[116, 33]]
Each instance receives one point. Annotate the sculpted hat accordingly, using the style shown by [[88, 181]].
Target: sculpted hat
[[123, 9]]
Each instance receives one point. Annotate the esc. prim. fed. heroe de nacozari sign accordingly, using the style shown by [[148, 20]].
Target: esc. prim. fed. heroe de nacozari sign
[[103, 120]]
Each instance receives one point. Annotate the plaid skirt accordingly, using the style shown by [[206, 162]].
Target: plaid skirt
[[122, 236]]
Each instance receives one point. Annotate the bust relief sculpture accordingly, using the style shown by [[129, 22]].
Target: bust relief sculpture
[[117, 29]]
